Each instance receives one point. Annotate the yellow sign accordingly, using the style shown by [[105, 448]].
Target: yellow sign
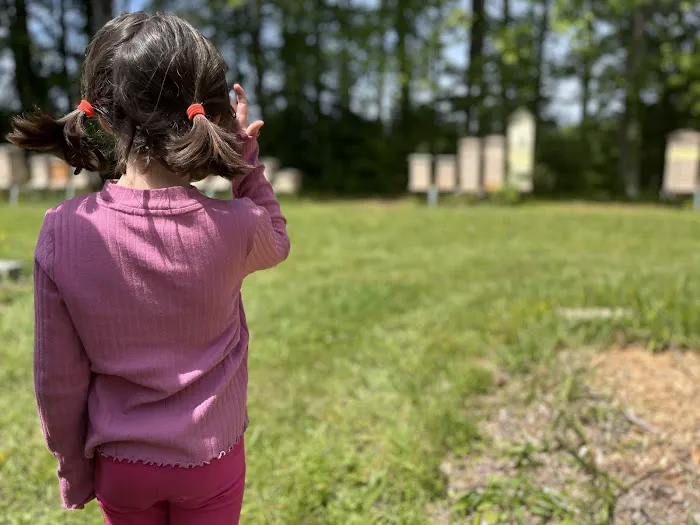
[[683, 153], [522, 158]]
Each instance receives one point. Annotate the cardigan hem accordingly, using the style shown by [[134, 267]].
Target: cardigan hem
[[121, 459]]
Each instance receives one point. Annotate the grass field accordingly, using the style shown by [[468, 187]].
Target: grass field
[[366, 343]]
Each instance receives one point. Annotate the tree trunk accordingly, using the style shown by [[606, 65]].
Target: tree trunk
[[475, 83], [631, 133], [258, 56], [542, 32], [586, 76], [98, 13], [475, 69], [29, 85], [66, 82], [505, 73], [505, 86], [319, 62], [382, 58], [402, 32], [286, 56], [344, 75], [585, 92]]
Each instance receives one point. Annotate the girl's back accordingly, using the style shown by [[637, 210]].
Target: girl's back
[[141, 337], [151, 280]]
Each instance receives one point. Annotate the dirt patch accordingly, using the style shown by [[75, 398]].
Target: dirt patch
[[664, 388], [594, 438]]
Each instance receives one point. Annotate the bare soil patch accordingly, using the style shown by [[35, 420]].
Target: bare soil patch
[[595, 438]]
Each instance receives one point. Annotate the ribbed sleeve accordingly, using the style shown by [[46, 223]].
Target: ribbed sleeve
[[62, 379], [269, 245]]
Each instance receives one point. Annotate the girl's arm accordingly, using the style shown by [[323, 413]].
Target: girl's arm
[[61, 379], [270, 243]]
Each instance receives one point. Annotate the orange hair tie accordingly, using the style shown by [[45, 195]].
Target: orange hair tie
[[86, 108], [194, 110]]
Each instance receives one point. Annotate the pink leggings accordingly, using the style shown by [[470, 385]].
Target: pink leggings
[[139, 494]]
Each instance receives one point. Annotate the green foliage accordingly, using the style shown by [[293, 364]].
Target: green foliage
[[544, 179], [506, 500], [685, 67], [508, 195]]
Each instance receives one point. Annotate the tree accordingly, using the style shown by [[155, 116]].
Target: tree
[[633, 31], [578, 19], [403, 22], [504, 71], [97, 14], [257, 52], [349, 88], [542, 25], [475, 72], [29, 84]]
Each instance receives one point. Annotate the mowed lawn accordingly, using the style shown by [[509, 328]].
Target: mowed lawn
[[366, 343]]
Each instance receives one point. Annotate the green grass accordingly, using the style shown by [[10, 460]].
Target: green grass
[[366, 343]]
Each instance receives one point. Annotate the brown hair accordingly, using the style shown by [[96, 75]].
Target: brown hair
[[141, 73]]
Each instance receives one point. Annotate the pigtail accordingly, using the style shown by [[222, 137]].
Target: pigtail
[[207, 149], [65, 138]]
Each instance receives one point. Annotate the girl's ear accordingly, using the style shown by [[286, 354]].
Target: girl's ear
[[104, 124]]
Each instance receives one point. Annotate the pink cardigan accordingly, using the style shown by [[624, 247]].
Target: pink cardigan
[[141, 341]]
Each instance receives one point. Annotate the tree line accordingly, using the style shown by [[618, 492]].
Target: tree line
[[349, 88]]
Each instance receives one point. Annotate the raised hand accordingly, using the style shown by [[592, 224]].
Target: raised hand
[[240, 106]]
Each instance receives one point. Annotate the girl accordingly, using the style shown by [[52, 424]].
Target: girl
[[141, 339]]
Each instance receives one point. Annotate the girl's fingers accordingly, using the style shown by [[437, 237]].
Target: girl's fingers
[[254, 129], [241, 106]]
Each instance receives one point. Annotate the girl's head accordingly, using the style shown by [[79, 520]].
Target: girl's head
[[141, 75]]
